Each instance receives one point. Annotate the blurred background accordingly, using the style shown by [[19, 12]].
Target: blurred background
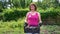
[[13, 12]]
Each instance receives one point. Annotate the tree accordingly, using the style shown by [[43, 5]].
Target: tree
[[22, 2], [27, 2], [1, 6], [16, 3]]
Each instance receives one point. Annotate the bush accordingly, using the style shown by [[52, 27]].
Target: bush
[[50, 12], [50, 16], [1, 14], [14, 14]]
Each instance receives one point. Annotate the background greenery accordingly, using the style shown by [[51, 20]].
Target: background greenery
[[12, 19]]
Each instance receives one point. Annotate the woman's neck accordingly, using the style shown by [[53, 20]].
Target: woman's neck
[[33, 11]]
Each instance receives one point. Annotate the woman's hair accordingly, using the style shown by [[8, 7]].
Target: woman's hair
[[33, 5]]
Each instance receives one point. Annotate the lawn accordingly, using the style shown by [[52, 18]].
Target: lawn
[[16, 27]]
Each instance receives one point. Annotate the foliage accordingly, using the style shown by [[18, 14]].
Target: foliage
[[15, 14], [21, 3], [50, 12], [25, 3], [10, 14], [48, 3], [14, 27], [1, 5], [16, 3]]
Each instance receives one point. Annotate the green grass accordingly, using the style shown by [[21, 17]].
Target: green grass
[[50, 29], [16, 27]]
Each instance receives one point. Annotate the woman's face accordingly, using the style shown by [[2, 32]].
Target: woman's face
[[32, 7]]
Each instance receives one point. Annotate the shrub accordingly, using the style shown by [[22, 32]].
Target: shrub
[[51, 16], [14, 14], [50, 12], [1, 14]]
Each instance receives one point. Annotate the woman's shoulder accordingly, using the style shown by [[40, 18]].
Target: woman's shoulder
[[37, 12]]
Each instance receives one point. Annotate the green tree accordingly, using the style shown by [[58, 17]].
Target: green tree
[[16, 3], [22, 2], [27, 2], [1, 5], [48, 3]]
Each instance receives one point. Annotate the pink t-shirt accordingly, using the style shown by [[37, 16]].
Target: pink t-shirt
[[32, 19]]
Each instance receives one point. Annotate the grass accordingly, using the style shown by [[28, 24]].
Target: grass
[[50, 29], [16, 27]]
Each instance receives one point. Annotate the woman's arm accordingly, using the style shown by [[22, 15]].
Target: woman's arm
[[26, 18], [40, 21]]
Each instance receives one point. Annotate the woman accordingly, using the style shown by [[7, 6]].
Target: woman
[[33, 18]]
